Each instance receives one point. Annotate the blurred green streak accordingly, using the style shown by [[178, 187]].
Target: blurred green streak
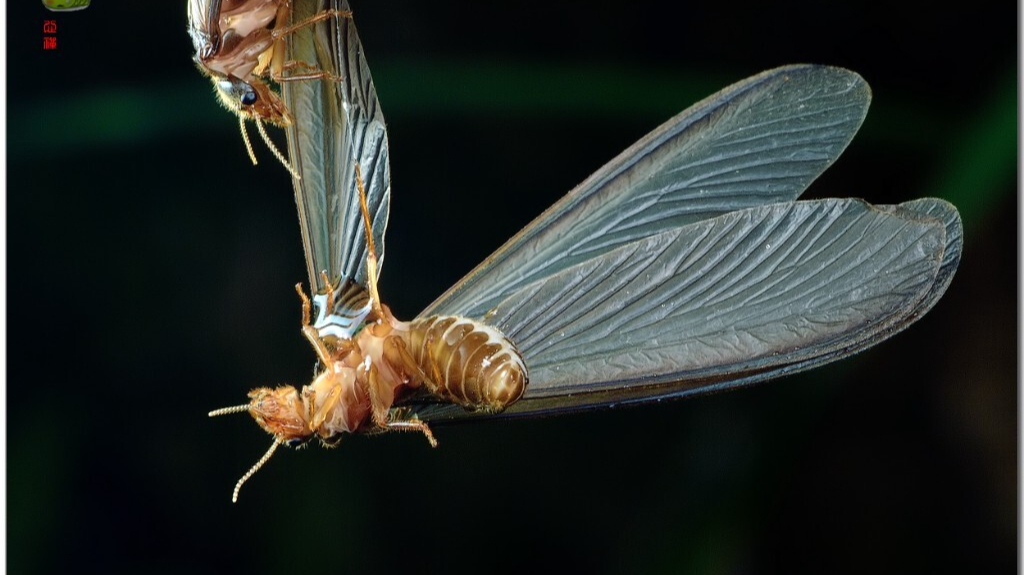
[[984, 163], [113, 117], [124, 116], [974, 172]]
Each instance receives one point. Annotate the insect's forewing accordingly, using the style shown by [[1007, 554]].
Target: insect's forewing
[[339, 124], [724, 302], [759, 141], [204, 24]]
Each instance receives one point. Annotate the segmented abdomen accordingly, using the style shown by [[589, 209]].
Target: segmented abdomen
[[467, 362]]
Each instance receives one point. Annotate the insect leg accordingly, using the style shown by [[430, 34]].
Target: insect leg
[[280, 32], [284, 11], [329, 288], [385, 418], [292, 64], [398, 358], [413, 425], [379, 404], [333, 397], [312, 73], [310, 332], [371, 255], [277, 64]]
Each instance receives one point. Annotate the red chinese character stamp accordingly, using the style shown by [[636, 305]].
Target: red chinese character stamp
[[49, 42]]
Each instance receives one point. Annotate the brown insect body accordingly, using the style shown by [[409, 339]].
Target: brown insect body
[[456, 359], [468, 363], [235, 43]]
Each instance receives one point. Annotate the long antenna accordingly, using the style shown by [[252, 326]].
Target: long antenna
[[227, 410], [245, 138], [255, 468], [273, 148]]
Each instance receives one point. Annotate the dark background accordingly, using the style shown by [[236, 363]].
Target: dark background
[[150, 274]]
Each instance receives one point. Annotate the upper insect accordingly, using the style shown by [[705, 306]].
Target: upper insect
[[239, 45]]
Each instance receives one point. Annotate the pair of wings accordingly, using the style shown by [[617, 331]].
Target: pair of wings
[[685, 265]]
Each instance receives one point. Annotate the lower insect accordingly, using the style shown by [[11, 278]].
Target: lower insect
[[454, 359]]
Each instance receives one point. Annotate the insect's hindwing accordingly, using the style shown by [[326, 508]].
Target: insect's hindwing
[[729, 301]]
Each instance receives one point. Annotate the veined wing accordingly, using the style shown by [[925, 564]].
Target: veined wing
[[760, 141], [338, 125], [724, 302], [944, 212]]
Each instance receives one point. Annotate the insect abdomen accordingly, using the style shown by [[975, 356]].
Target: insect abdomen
[[467, 362]]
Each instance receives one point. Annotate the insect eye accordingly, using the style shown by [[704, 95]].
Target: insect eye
[[248, 98], [295, 442]]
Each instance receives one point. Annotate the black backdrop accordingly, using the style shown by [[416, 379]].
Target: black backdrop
[[150, 273]]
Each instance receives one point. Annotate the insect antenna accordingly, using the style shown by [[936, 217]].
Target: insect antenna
[[245, 138], [277, 154], [227, 410], [263, 460]]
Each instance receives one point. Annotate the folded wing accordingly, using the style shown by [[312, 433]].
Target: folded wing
[[338, 124]]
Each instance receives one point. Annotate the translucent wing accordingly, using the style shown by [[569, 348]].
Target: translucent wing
[[944, 212], [760, 141], [338, 124], [724, 302]]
